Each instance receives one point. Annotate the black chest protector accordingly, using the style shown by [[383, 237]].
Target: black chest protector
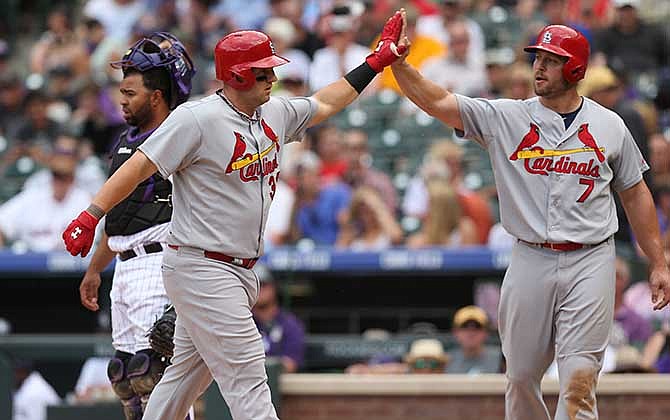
[[151, 202]]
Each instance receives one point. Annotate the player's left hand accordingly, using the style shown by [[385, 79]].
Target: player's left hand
[[659, 283], [387, 50], [78, 236]]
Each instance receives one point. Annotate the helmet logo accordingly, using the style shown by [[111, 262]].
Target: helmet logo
[[272, 48], [546, 38]]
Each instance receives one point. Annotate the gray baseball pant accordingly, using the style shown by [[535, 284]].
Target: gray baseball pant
[[215, 338], [561, 302]]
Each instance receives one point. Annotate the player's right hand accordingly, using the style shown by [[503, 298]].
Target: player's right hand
[[388, 50], [78, 236], [88, 290]]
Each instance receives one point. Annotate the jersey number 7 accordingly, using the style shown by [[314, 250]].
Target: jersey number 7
[[589, 187]]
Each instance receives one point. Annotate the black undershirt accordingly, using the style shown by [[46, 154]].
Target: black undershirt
[[569, 117]]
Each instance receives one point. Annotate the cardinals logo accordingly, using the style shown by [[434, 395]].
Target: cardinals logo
[[587, 140], [252, 166], [528, 141], [538, 161]]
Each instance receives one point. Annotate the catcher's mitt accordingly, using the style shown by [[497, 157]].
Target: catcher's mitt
[[161, 334]]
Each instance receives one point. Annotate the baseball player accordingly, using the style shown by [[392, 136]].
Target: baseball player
[[557, 159], [157, 75], [223, 152]]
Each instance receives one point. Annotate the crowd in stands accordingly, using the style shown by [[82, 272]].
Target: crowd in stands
[[382, 173]]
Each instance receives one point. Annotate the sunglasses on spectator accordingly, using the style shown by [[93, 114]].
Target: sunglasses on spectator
[[62, 176], [264, 305], [425, 363]]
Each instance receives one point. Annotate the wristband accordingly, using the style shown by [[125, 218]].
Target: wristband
[[360, 77], [95, 211]]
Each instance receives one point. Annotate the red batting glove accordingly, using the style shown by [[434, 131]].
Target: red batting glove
[[78, 236], [387, 50]]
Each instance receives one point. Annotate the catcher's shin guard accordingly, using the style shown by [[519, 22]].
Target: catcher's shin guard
[[117, 372], [145, 369]]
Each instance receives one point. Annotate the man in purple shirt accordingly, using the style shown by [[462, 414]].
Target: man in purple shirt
[[283, 333], [637, 329]]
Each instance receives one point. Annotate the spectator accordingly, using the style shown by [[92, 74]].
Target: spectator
[[93, 384], [637, 330], [117, 16], [520, 81], [444, 160], [444, 225], [456, 72], [283, 333], [33, 393], [424, 47], [427, 355], [629, 360], [472, 356], [318, 208], [341, 54], [604, 87], [497, 72], [59, 49], [88, 176], [656, 353], [659, 159], [662, 202], [278, 223], [90, 121], [39, 131], [303, 14], [328, 146], [368, 224], [35, 218], [437, 25], [360, 171], [283, 35], [631, 45], [12, 95], [243, 14]]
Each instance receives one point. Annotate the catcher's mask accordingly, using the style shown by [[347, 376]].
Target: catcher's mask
[[162, 50]]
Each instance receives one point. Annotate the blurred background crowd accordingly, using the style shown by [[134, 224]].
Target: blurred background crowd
[[382, 173]]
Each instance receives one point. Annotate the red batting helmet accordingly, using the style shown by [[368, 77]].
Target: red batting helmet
[[238, 52], [566, 42]]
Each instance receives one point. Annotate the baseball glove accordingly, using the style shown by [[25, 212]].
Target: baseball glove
[[161, 334]]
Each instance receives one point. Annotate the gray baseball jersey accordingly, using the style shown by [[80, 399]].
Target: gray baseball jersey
[[225, 168], [555, 184]]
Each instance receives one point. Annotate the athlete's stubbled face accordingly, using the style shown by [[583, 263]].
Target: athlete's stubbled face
[[548, 72], [135, 100], [263, 86]]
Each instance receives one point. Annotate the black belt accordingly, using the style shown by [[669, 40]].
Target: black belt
[[148, 249]]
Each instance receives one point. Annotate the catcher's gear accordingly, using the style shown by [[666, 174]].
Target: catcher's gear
[[387, 50], [145, 369], [117, 372], [240, 51], [161, 334], [79, 234], [566, 42], [162, 50]]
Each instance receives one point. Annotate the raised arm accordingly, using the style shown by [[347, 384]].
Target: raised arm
[[78, 236], [337, 95], [641, 213], [430, 97]]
